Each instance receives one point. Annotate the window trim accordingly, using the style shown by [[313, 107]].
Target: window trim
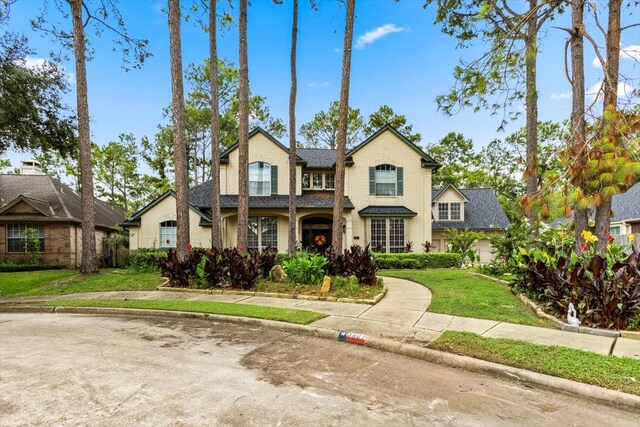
[[386, 242], [459, 211], [388, 167], [172, 242], [260, 231], [41, 236], [440, 211], [263, 181]]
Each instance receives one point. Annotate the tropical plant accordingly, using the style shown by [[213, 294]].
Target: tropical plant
[[461, 242], [305, 269], [244, 269], [427, 246], [179, 272], [360, 263], [213, 268], [267, 259]]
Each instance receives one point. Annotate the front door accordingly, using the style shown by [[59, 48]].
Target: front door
[[316, 234]]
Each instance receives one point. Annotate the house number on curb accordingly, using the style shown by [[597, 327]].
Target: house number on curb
[[352, 337]]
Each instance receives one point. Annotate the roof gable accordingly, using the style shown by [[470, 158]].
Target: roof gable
[[224, 156], [160, 198], [437, 193], [427, 161], [482, 212], [18, 205]]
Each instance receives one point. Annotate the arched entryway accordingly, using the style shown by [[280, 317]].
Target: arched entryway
[[316, 234]]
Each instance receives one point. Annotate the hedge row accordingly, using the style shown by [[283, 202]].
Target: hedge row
[[11, 268], [415, 260]]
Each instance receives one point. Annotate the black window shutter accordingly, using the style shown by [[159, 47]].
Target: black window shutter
[[274, 180], [400, 177], [372, 181]]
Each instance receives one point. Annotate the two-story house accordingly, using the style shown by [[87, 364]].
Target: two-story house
[[388, 197]]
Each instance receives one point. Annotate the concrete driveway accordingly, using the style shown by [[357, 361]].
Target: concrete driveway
[[82, 370]]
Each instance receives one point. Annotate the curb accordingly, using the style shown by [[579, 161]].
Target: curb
[[558, 324], [367, 301], [568, 387]]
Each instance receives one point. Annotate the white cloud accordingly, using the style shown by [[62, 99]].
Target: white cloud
[[625, 90], [596, 62], [561, 96], [318, 84], [34, 62], [373, 35], [632, 51]]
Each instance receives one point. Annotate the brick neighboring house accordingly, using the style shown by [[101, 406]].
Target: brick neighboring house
[[388, 199], [34, 200]]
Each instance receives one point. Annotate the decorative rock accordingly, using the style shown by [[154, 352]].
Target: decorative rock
[[278, 274], [326, 285]]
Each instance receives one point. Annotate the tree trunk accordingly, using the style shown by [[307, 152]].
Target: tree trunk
[[291, 247], [578, 142], [611, 71], [338, 204], [243, 134], [89, 262], [531, 174], [216, 220], [179, 140]]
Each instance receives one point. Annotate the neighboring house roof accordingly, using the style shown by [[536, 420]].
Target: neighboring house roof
[[626, 206], [426, 159], [481, 212], [385, 211], [320, 158], [56, 201]]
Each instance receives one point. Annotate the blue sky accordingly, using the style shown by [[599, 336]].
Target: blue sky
[[400, 59]]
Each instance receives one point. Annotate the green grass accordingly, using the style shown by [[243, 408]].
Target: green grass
[[302, 317], [617, 373], [458, 293], [58, 282]]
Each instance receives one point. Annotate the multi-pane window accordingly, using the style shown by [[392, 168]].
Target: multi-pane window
[[386, 180], [379, 234], [455, 211], [396, 235], [329, 181], [306, 181], [263, 232], [168, 234], [17, 236], [443, 211], [615, 230], [317, 181], [259, 179], [387, 234]]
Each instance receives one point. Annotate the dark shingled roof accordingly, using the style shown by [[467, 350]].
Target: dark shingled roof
[[320, 158], [386, 211], [626, 206], [56, 200], [481, 212], [200, 197]]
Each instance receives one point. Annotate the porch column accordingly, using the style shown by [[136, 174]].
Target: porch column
[[348, 238]]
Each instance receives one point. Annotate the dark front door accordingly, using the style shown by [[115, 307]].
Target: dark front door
[[316, 234]]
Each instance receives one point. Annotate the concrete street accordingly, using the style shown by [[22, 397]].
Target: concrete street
[[82, 370]]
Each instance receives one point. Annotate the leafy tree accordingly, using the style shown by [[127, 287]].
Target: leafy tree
[[32, 114], [179, 125], [386, 115], [63, 168], [323, 130], [117, 177], [84, 15], [158, 155], [343, 128], [461, 242], [459, 161]]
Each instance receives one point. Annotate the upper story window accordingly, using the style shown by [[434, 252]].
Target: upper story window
[[168, 234], [449, 211], [385, 180], [259, 179], [318, 181], [443, 211]]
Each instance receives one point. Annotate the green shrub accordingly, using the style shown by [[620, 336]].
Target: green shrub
[[8, 266], [305, 269], [145, 260], [418, 260]]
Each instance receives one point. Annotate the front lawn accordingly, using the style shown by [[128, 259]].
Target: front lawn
[[58, 282], [617, 373], [458, 293], [302, 317]]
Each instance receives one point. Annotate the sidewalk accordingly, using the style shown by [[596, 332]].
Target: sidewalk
[[401, 315]]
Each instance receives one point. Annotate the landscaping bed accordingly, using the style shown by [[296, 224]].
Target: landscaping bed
[[617, 373]]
